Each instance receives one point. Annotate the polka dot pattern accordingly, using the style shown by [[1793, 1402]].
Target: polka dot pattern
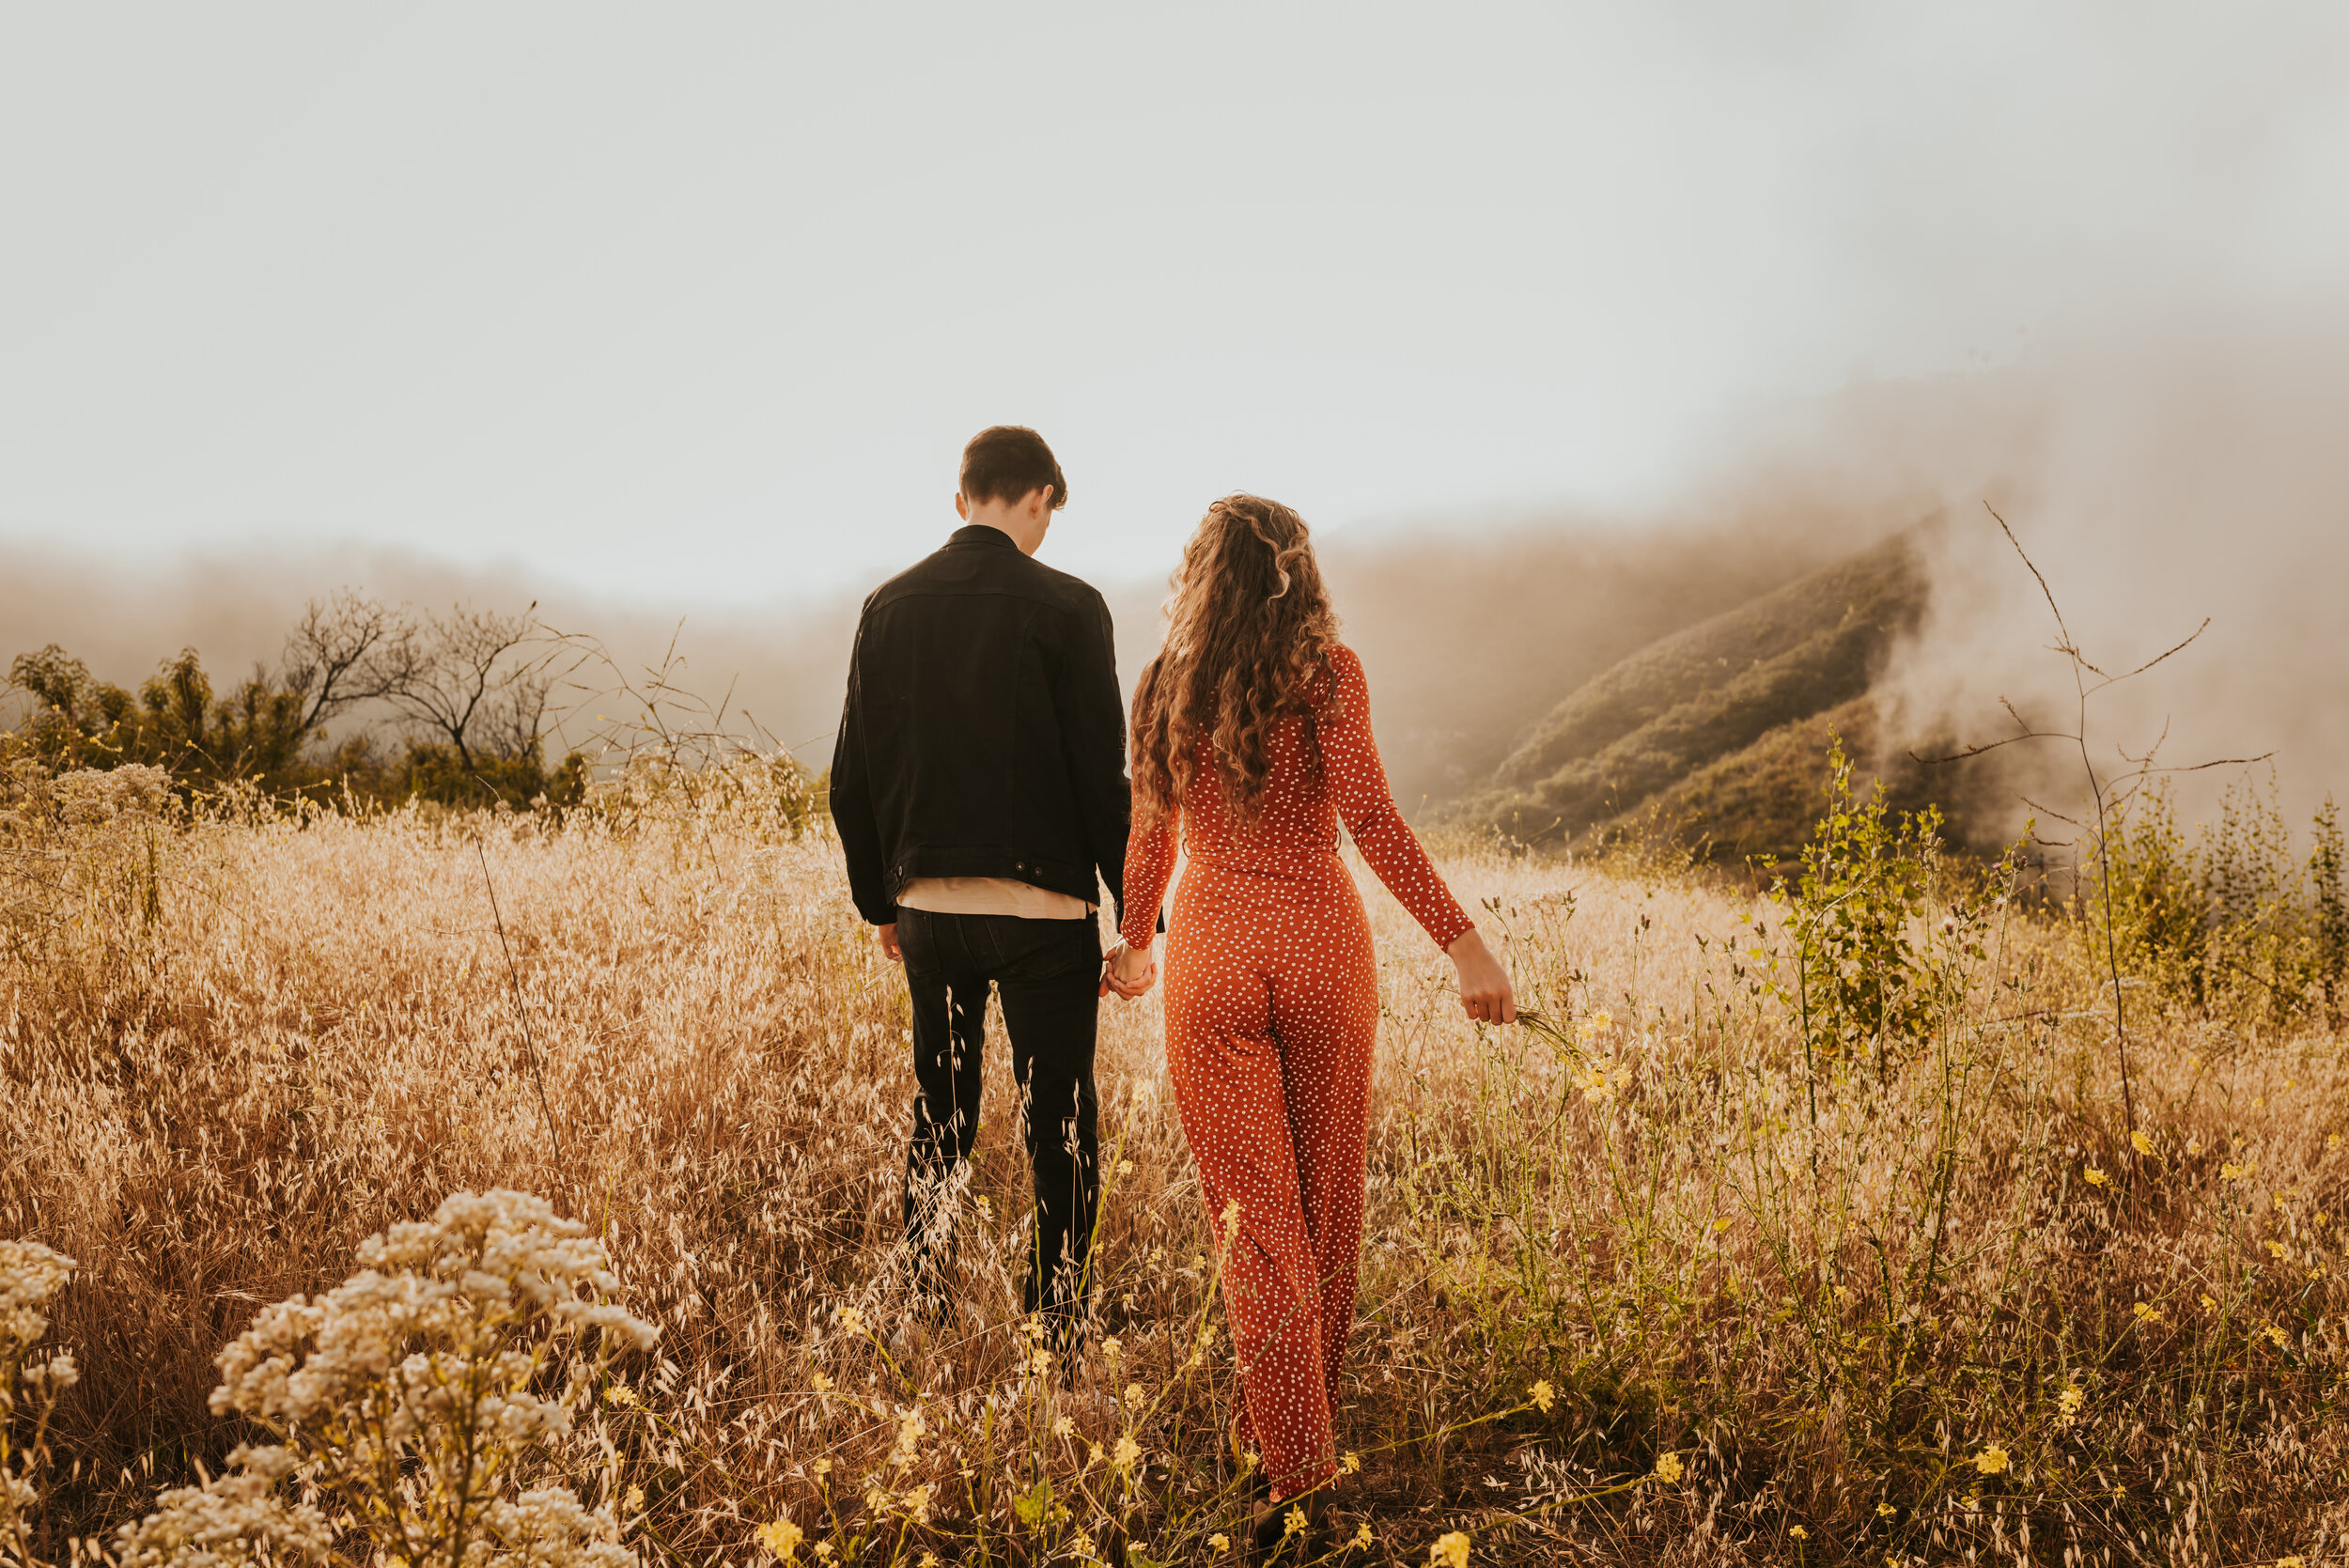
[[1271, 1015]]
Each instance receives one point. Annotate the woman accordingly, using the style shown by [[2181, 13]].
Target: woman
[[1251, 732]]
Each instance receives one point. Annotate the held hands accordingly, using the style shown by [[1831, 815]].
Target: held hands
[[1486, 993], [1128, 971]]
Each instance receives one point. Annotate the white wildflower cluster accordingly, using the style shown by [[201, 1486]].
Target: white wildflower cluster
[[30, 1275], [408, 1394], [232, 1519], [94, 795]]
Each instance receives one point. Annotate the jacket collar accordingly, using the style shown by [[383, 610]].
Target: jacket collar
[[979, 535]]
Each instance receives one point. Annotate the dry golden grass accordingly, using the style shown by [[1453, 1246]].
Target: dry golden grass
[[1789, 1312]]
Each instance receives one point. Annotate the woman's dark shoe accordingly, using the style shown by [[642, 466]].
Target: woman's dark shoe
[[1294, 1531]]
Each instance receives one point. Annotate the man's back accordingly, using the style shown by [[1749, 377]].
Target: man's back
[[984, 734]]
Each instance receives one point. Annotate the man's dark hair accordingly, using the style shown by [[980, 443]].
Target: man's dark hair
[[1003, 462]]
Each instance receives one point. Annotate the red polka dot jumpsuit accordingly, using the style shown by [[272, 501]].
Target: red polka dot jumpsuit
[[1272, 1012]]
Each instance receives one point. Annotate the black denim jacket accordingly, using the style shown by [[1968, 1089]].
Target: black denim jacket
[[982, 734]]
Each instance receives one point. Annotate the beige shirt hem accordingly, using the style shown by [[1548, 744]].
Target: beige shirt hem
[[991, 895]]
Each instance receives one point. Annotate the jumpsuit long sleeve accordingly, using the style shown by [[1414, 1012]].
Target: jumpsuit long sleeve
[[1271, 1016]]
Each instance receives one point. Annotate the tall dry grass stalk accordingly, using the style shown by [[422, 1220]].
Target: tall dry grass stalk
[[1643, 1280]]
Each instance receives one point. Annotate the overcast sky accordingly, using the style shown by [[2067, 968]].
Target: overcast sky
[[701, 301]]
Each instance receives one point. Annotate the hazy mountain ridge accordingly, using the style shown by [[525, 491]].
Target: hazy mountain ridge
[[1718, 730]]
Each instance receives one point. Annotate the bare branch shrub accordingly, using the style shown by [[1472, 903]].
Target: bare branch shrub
[[345, 650], [475, 678]]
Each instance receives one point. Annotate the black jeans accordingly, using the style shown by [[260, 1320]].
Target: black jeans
[[1047, 972]]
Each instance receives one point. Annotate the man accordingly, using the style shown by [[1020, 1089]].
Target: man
[[979, 789]]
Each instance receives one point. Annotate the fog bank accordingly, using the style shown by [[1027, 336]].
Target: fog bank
[[2156, 479]]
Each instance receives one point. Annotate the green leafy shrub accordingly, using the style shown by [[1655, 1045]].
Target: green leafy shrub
[[1858, 988], [2228, 918]]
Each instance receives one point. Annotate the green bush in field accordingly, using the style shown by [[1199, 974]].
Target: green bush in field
[[472, 685], [2228, 918], [176, 722], [1859, 986]]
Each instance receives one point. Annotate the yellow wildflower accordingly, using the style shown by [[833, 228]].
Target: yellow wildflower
[[1361, 1538], [1111, 1348], [621, 1393], [1800, 1533], [2147, 1312], [1450, 1550], [929, 1560], [850, 1321], [1669, 1469], [2231, 1171], [1593, 1026], [1127, 1451], [1351, 1463], [910, 1430], [1063, 1426], [1543, 1395], [2069, 1402], [1293, 1523], [2143, 1141], [2092, 1177], [2193, 1145], [781, 1537], [1093, 1454], [634, 1501], [1231, 1214], [818, 1381], [2208, 1305], [1220, 1542], [2275, 1335], [1885, 1510], [1991, 1460], [2290, 1563], [823, 1468], [985, 1206], [1721, 1223], [1125, 1166], [2279, 1251]]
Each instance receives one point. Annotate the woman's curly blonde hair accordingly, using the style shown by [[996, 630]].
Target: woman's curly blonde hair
[[1249, 630]]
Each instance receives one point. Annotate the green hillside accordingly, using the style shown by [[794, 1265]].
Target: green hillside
[[1665, 731], [1762, 802]]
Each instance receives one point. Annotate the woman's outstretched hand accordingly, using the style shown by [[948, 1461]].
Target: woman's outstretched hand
[[1485, 990], [1128, 972]]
